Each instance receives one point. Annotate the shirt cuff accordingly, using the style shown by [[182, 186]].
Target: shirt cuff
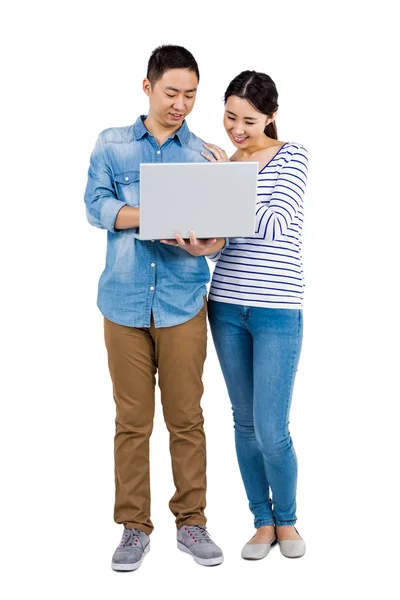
[[109, 211]]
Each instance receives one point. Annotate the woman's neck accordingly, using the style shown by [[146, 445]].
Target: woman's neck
[[259, 146]]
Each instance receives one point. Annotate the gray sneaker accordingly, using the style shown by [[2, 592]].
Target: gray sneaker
[[195, 540], [131, 551]]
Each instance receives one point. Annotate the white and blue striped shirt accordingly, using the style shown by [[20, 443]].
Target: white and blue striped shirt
[[266, 269]]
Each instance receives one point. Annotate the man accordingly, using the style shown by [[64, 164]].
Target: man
[[153, 298]]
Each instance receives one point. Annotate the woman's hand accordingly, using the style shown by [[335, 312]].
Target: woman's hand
[[218, 155], [194, 246]]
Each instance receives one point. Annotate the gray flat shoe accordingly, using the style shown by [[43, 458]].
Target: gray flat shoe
[[257, 551], [292, 548]]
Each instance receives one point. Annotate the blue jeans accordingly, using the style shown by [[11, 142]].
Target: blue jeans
[[259, 349]]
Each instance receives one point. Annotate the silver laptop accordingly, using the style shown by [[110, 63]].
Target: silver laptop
[[213, 199]]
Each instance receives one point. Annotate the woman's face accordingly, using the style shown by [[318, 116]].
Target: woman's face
[[243, 123]]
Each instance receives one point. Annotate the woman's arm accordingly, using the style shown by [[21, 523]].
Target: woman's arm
[[274, 217]]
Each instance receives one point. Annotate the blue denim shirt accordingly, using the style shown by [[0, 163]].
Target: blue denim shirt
[[141, 277]]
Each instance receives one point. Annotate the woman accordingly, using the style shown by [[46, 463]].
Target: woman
[[255, 312]]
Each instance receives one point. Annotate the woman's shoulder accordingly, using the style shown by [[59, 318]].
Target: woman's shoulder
[[291, 148]]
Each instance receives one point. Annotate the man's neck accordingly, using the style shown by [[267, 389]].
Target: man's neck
[[159, 131]]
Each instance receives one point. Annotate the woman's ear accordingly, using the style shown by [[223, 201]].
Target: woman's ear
[[272, 118]]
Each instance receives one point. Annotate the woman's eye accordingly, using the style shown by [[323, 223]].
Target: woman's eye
[[249, 123], [231, 118]]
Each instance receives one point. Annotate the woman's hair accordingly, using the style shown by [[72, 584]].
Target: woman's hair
[[260, 91], [168, 57]]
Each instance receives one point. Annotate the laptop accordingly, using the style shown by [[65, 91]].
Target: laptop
[[212, 199]]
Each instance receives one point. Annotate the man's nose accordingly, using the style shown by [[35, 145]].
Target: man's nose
[[179, 103]]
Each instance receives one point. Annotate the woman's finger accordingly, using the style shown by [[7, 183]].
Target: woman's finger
[[218, 152], [215, 150], [208, 157], [213, 147]]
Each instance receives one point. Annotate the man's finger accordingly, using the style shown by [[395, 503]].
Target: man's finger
[[180, 240], [210, 242], [192, 238]]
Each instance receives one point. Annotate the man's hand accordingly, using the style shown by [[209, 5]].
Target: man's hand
[[194, 246]]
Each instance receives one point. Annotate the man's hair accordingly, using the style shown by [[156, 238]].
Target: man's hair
[[169, 57]]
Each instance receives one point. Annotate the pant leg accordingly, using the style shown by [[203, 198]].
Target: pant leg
[[234, 346], [132, 367], [277, 335], [180, 356]]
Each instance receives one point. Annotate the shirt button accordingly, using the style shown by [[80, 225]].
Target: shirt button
[[151, 288], [126, 178], [158, 151], [153, 264], [153, 240]]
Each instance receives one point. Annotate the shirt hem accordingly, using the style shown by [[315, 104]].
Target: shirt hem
[[245, 302], [141, 326]]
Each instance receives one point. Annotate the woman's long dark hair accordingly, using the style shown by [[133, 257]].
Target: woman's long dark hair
[[260, 91]]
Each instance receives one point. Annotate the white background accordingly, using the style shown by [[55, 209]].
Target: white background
[[73, 69]]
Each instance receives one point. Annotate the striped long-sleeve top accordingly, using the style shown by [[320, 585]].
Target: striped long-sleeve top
[[266, 269]]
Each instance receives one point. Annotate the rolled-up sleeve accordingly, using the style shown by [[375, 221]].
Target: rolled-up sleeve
[[102, 205]]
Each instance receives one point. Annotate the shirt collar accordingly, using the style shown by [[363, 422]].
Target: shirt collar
[[183, 133], [140, 130]]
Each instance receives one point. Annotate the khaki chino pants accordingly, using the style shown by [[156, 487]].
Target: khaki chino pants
[[134, 356]]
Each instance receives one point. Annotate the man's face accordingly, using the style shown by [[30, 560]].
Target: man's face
[[172, 97]]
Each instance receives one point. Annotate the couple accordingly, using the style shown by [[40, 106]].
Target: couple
[[153, 298]]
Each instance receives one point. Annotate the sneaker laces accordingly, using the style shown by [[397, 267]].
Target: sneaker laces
[[129, 538], [199, 533]]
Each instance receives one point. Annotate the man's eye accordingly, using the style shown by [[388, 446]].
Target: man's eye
[[189, 97], [170, 96]]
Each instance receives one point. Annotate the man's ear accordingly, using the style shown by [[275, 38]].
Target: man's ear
[[147, 86]]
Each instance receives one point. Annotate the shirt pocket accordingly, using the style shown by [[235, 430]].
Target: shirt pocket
[[127, 187]]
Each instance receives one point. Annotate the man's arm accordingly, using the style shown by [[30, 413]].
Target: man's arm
[[127, 217], [102, 205]]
